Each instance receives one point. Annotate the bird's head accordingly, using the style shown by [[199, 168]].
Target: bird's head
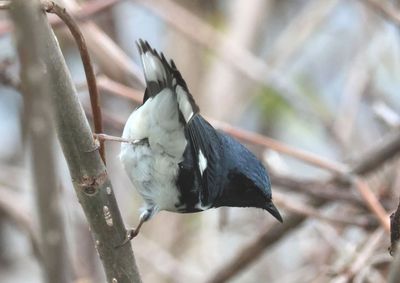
[[249, 183]]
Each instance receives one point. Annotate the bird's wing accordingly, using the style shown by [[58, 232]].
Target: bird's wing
[[161, 74], [207, 155]]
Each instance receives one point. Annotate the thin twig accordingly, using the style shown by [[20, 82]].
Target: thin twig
[[239, 58], [304, 209], [389, 13], [254, 138], [362, 257], [86, 11], [372, 202], [116, 88], [387, 148], [52, 7], [10, 205], [315, 188]]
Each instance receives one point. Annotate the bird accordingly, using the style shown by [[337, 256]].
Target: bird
[[177, 161]]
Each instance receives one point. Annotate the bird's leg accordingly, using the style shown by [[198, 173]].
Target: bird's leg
[[105, 137], [132, 233]]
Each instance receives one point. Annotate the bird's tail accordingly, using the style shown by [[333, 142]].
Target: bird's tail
[[161, 74]]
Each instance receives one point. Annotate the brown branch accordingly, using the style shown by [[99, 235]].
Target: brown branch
[[87, 10], [372, 202], [254, 138], [119, 89], [52, 7], [389, 13]]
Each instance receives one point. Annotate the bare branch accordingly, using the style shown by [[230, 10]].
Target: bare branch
[[394, 271], [88, 173], [372, 202], [383, 151], [389, 13], [52, 7], [26, 16], [10, 205], [367, 250]]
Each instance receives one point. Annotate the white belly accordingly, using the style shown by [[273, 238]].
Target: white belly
[[153, 166]]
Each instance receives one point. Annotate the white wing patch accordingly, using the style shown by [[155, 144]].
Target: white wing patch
[[153, 68], [184, 105], [202, 162]]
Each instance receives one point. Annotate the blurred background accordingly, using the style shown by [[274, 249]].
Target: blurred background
[[320, 76]]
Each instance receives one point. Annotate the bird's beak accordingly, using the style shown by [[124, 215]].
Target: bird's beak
[[270, 207]]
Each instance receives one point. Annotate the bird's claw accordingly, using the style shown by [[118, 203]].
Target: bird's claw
[[130, 234]]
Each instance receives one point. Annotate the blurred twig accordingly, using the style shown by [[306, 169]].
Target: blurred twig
[[10, 205], [105, 50], [250, 252], [372, 202], [387, 148], [362, 257], [6, 78], [31, 47], [316, 189], [299, 29], [52, 7], [302, 208], [239, 58], [385, 9]]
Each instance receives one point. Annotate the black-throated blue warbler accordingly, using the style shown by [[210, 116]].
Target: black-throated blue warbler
[[178, 161]]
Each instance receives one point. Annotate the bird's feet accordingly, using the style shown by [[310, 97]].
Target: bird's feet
[[130, 234]]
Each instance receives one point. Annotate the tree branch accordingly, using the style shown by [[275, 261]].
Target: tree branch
[[88, 173], [52, 7], [39, 112]]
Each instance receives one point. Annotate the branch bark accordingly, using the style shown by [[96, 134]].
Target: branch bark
[[39, 113], [52, 7], [88, 173]]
